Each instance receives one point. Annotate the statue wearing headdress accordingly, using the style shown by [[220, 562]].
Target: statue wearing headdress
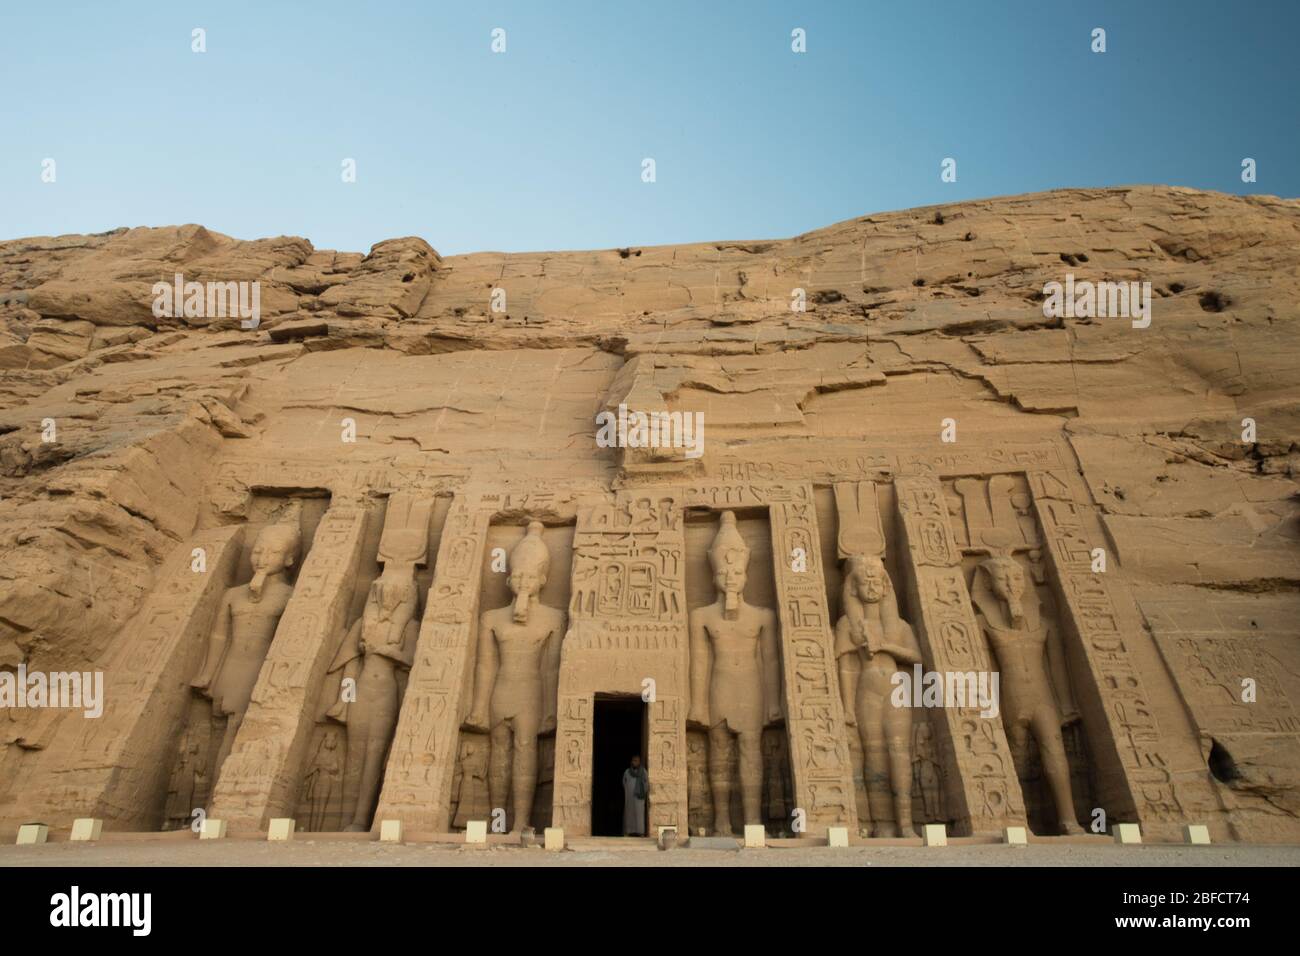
[[516, 677], [1010, 614], [735, 677], [872, 644]]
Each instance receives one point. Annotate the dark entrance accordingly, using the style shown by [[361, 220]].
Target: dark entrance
[[618, 732]]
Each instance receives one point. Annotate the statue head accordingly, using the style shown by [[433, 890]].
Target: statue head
[[868, 578], [729, 556], [274, 550], [530, 561], [393, 589], [1007, 581]]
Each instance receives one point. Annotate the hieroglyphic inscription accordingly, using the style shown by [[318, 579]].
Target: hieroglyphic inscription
[[819, 753], [417, 785], [984, 793]]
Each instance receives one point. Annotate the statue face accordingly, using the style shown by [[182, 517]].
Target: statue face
[[731, 577], [526, 581], [870, 581], [1007, 578], [273, 551]]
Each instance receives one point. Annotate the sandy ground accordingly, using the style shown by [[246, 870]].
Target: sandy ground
[[306, 852]]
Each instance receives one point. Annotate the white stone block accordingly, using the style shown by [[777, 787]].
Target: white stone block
[[1197, 833], [934, 834], [281, 829], [476, 831], [837, 836], [1015, 836], [1126, 833], [86, 829], [390, 831], [212, 829], [554, 837], [30, 834], [755, 836]]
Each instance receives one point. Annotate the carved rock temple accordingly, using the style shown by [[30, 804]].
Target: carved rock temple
[[367, 560]]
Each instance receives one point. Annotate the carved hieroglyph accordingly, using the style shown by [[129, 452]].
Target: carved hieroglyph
[[984, 791], [260, 779]]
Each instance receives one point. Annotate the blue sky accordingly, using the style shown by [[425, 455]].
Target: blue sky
[[541, 147]]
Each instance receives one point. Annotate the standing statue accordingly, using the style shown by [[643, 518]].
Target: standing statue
[[735, 677], [516, 678], [1011, 616], [376, 654], [245, 625], [872, 644]]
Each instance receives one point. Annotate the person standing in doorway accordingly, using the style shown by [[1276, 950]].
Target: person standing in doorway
[[636, 787]]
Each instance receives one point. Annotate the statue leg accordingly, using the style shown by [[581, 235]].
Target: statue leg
[[353, 763], [1051, 751], [720, 777], [499, 767], [382, 720], [875, 756], [525, 771], [898, 741], [751, 775], [227, 741]]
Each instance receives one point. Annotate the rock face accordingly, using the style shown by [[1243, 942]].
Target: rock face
[[377, 553]]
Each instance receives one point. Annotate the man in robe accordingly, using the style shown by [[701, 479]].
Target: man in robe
[[636, 787]]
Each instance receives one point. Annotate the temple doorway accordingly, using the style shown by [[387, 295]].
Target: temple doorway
[[619, 728]]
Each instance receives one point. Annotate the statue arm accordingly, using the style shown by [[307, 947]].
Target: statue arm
[[699, 691], [849, 665], [906, 650], [771, 669], [218, 641], [485, 675], [551, 674]]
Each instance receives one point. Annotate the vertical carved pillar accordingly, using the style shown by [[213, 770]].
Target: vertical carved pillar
[[260, 778], [627, 614], [819, 753], [422, 760], [1149, 766], [115, 766], [983, 790]]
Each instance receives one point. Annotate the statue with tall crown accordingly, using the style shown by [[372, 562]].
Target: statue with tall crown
[[516, 678], [1010, 615], [735, 677], [872, 644], [245, 626], [375, 657]]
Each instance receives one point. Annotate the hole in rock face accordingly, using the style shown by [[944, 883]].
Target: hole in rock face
[[1081, 257], [938, 218], [968, 237], [624, 253], [1176, 287], [1068, 259], [1213, 301], [918, 282], [1222, 765]]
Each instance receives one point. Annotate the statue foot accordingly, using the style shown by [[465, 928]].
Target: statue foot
[[1070, 828], [885, 830]]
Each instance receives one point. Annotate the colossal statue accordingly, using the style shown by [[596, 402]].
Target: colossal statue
[[245, 625], [735, 684], [1010, 614], [872, 643], [516, 676]]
